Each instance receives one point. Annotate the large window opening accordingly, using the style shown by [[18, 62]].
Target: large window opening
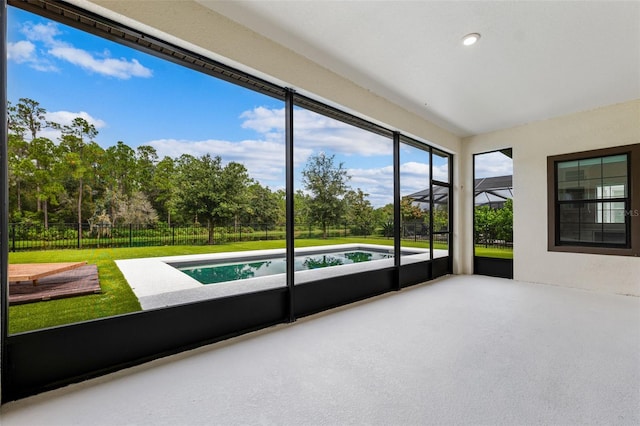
[[122, 160], [493, 213], [343, 182], [184, 195]]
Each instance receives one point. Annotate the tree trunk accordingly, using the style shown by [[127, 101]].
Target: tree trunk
[[80, 213], [38, 201], [19, 200], [45, 210]]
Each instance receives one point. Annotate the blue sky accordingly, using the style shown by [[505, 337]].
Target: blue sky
[[139, 99]]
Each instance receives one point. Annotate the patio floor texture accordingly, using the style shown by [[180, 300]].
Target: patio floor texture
[[459, 350]]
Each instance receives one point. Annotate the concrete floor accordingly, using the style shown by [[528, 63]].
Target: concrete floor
[[461, 350]]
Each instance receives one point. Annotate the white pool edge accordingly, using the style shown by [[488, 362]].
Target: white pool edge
[[157, 284]]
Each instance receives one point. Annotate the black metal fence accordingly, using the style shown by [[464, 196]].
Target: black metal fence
[[488, 239], [34, 236]]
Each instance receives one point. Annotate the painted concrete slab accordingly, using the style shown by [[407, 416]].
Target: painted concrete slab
[[464, 350]]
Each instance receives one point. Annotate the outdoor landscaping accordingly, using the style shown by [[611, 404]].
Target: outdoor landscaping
[[118, 298]]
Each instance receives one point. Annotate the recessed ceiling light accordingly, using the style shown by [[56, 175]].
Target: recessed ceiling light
[[470, 39]]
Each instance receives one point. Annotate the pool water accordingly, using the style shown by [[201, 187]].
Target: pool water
[[212, 273]]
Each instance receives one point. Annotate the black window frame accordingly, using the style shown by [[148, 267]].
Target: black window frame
[[631, 246], [82, 350]]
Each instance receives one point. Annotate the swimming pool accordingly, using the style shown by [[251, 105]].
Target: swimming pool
[[213, 273]]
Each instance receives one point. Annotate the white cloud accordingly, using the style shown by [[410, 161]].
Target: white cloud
[[45, 33], [25, 52], [21, 51], [263, 159], [43, 45], [118, 68], [318, 133], [65, 118], [264, 120], [493, 164]]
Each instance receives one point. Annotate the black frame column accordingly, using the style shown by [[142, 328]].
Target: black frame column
[[396, 208], [289, 205], [4, 193]]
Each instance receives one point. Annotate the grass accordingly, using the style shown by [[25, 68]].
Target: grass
[[117, 297], [502, 253]]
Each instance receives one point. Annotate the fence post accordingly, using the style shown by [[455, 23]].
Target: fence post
[[173, 235], [130, 235], [13, 238], [266, 231], [79, 233]]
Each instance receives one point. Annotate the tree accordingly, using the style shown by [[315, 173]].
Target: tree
[[327, 185], [360, 213], [75, 140], [206, 190], [494, 224], [263, 206], [45, 156], [137, 210], [146, 159], [119, 167], [163, 188], [20, 166], [30, 117]]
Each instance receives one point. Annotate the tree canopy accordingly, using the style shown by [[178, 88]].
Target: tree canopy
[[75, 180]]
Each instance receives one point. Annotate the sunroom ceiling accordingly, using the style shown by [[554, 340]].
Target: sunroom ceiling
[[534, 60]]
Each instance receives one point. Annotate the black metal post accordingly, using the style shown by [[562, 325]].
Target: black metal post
[[396, 208], [4, 198], [289, 189], [451, 210], [431, 203]]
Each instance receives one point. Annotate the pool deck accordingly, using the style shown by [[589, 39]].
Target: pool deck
[[157, 284]]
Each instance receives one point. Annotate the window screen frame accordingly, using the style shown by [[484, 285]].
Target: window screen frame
[[632, 209]]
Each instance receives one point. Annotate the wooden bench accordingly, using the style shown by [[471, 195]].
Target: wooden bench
[[34, 271]]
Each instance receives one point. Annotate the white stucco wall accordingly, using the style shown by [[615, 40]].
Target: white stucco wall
[[608, 126]]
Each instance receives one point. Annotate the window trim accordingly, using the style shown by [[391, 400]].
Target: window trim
[[633, 152]]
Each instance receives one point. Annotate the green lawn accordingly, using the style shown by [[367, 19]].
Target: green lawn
[[502, 253], [117, 297]]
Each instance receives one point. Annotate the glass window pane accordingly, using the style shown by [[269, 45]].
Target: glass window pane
[[145, 154], [569, 213], [590, 168], [493, 207], [415, 197], [569, 232], [614, 166], [614, 233], [440, 208], [343, 181], [568, 171], [570, 191], [440, 166]]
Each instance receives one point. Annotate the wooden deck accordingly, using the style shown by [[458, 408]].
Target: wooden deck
[[82, 280], [34, 271]]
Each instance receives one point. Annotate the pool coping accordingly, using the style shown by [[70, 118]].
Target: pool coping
[[157, 284]]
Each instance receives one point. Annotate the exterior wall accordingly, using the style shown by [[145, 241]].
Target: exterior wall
[[608, 126]]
